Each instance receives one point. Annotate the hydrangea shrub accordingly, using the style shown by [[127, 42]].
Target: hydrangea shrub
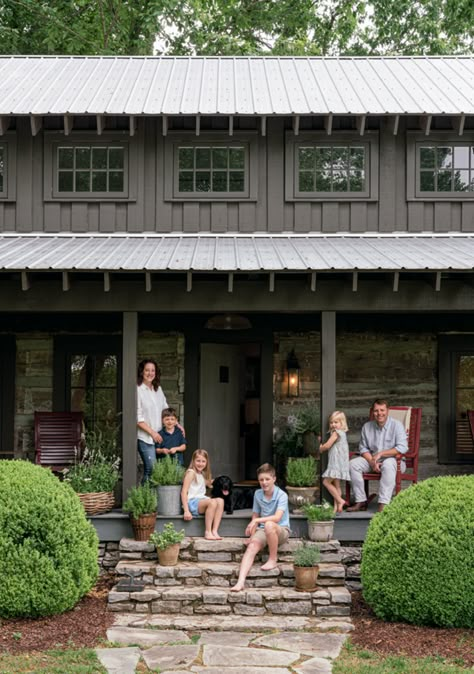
[[48, 549], [418, 556]]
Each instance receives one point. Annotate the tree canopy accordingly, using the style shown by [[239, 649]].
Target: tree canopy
[[237, 27]]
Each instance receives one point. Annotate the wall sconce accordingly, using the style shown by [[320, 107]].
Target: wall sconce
[[293, 372]]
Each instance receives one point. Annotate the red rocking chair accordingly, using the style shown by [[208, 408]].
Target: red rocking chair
[[411, 457], [58, 438]]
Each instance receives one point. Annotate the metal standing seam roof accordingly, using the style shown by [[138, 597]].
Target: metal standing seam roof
[[235, 253], [58, 85]]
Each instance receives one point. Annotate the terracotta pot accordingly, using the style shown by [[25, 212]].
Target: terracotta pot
[[305, 578], [300, 496], [320, 531], [143, 527], [168, 556]]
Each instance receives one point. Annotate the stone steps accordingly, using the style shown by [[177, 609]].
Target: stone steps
[[200, 583]]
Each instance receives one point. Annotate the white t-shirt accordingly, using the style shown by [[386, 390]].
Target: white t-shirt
[[197, 488], [150, 405]]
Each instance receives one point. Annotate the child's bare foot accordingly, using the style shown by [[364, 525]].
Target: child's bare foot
[[340, 505], [209, 536], [216, 536], [237, 588], [268, 566]]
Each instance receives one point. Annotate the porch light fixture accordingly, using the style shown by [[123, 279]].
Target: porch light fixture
[[293, 373], [228, 322]]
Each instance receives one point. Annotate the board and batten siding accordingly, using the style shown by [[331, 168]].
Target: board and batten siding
[[150, 211]]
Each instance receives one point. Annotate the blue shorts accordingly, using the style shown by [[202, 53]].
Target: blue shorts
[[193, 505]]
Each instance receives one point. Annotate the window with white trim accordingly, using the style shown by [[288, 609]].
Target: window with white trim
[[445, 167], [319, 167]]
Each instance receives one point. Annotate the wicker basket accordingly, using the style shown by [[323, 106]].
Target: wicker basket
[[143, 527], [98, 502]]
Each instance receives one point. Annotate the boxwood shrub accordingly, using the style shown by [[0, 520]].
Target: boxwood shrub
[[48, 549], [418, 556]]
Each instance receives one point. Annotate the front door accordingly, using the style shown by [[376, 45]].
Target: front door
[[221, 397]]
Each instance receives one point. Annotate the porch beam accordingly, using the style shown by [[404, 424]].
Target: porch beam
[[36, 124], [148, 282], [460, 124], [231, 125], [271, 282], [4, 124], [132, 125], [106, 282], [396, 122], [438, 281], [230, 282], [313, 282], [164, 125], [263, 126], [327, 394], [198, 125], [355, 281], [361, 124], [67, 124], [25, 281], [426, 124], [328, 124], [189, 281], [396, 281], [100, 121], [66, 281], [129, 400], [296, 124]]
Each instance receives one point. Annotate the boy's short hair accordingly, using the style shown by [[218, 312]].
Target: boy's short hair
[[266, 468], [169, 412]]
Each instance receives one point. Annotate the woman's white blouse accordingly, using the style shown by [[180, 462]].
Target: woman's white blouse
[[150, 404]]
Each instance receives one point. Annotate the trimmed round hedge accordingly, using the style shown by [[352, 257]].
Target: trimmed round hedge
[[418, 556], [48, 549]]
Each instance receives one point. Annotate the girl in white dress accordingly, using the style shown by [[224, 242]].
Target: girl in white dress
[[194, 499], [338, 462]]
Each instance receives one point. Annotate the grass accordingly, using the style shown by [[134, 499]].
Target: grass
[[358, 661], [81, 661]]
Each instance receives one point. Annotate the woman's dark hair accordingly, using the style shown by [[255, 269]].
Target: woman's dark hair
[[141, 366]]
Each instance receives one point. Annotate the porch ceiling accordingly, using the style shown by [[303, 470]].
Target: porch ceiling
[[227, 253]]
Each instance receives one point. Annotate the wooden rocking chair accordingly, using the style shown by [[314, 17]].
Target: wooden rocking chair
[[58, 438], [411, 457]]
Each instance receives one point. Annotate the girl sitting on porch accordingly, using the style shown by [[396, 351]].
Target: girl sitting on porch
[[194, 499], [338, 462]]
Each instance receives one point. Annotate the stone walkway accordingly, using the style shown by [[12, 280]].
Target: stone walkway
[[276, 645]]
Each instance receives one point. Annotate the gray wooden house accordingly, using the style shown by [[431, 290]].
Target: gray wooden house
[[221, 214]]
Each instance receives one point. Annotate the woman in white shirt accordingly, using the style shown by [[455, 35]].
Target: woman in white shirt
[[151, 401]]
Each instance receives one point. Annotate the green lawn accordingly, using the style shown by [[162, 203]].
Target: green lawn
[[358, 661], [82, 661]]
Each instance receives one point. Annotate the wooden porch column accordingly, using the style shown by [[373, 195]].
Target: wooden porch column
[[328, 373], [129, 400], [266, 400]]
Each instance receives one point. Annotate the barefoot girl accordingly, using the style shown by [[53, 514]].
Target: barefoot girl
[[338, 462], [194, 499]]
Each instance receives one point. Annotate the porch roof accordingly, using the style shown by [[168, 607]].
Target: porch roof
[[246, 253], [72, 85]]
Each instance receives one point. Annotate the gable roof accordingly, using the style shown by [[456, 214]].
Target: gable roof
[[59, 85]]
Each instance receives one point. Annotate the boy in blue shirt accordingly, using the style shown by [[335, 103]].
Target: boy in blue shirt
[[173, 441], [270, 524]]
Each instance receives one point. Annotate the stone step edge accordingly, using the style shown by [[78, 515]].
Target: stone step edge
[[228, 544], [218, 595], [235, 622], [283, 568]]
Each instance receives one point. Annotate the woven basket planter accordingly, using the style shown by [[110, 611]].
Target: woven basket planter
[[98, 502], [143, 527]]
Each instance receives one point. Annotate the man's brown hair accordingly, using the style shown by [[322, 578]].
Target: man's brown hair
[[266, 468], [380, 401]]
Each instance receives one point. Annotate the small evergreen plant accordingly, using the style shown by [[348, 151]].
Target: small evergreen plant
[[141, 500], [48, 549], [169, 536], [318, 513], [167, 471], [306, 555], [302, 472]]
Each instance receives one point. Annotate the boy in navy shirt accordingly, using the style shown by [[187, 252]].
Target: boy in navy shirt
[[173, 441], [270, 524]]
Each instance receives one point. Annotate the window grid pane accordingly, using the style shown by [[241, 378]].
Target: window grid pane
[[337, 168], [90, 169], [446, 168], [218, 168]]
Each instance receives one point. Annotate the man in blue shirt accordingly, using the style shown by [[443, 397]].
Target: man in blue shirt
[[381, 441], [270, 524]]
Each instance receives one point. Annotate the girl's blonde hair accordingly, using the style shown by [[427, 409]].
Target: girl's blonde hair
[[342, 418], [207, 470]]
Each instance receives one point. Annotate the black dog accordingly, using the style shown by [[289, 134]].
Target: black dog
[[222, 488]]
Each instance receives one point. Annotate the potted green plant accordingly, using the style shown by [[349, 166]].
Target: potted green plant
[[320, 521], [94, 477], [302, 482], [167, 544], [307, 425], [167, 476], [141, 504], [305, 560]]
